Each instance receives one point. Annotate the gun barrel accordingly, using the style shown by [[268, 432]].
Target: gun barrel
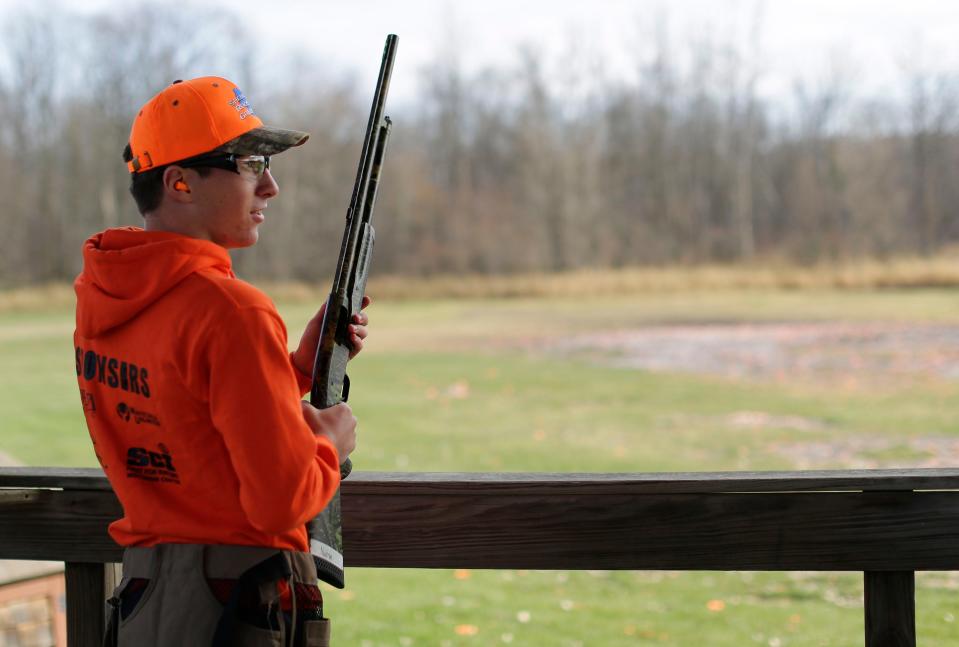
[[329, 368], [376, 116], [361, 185]]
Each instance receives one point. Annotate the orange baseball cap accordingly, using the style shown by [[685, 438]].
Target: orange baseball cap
[[204, 115]]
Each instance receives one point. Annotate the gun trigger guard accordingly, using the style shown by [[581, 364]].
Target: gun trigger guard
[[346, 387]]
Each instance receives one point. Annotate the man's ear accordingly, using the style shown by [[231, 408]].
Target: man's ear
[[175, 185]]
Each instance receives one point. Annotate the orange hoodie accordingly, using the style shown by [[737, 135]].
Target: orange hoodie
[[191, 399]]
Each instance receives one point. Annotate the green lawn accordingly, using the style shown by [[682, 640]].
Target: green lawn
[[473, 386]]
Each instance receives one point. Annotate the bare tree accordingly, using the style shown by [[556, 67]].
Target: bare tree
[[932, 106], [541, 164], [33, 102]]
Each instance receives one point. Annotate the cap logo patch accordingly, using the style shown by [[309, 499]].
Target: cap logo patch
[[241, 104]]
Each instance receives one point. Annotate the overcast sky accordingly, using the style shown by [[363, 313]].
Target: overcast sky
[[870, 39]]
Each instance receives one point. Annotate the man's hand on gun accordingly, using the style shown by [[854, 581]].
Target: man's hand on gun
[[306, 352], [338, 424]]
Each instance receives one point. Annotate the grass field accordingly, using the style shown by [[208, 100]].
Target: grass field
[[493, 385]]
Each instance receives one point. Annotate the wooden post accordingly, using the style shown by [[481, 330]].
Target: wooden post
[[85, 604], [890, 608]]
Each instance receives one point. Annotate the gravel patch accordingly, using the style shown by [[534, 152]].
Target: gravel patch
[[6, 460], [871, 453], [779, 351]]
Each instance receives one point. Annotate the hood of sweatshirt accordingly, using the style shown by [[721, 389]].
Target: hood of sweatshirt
[[127, 269]]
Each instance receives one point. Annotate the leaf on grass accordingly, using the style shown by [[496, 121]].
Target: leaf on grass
[[459, 390], [715, 605]]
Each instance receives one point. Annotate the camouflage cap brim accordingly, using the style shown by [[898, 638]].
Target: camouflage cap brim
[[265, 140]]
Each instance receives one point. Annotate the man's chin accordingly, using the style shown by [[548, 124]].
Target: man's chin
[[248, 240]]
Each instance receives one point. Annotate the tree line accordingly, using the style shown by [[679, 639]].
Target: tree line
[[537, 165]]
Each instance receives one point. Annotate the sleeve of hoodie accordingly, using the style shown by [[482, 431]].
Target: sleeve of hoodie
[[286, 473], [303, 381]]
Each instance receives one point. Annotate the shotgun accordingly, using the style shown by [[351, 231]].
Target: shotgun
[[331, 385]]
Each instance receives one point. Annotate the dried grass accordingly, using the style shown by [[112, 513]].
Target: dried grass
[[902, 273], [866, 275]]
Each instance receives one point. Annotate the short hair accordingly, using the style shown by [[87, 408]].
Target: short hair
[[147, 187]]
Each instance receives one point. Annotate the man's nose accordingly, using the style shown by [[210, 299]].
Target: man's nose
[[267, 186]]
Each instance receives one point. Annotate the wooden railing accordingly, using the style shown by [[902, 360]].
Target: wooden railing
[[886, 523]]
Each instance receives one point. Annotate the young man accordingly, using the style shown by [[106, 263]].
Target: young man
[[191, 397]]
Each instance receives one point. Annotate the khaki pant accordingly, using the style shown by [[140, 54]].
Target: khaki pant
[[178, 609]]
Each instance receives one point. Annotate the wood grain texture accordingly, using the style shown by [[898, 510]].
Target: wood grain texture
[[523, 482], [60, 525], [890, 605], [863, 521], [835, 531], [85, 604], [655, 483], [66, 478]]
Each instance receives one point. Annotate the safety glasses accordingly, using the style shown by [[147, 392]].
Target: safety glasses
[[256, 164]]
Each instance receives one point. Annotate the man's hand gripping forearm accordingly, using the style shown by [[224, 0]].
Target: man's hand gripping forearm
[[337, 423]]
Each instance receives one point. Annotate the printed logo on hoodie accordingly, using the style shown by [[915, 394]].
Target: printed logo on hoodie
[[128, 414], [113, 372], [148, 465]]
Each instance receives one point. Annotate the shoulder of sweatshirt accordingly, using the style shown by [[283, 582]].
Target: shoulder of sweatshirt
[[229, 292], [209, 301]]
